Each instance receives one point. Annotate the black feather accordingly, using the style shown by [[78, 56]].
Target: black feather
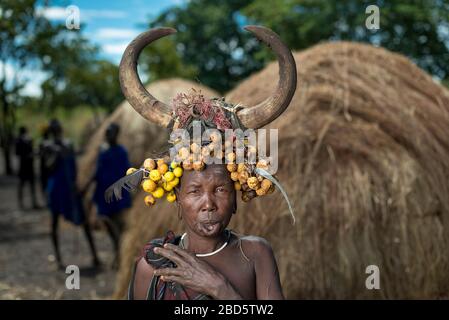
[[129, 183]]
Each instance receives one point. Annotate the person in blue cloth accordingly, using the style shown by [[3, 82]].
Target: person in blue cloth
[[112, 163], [63, 196]]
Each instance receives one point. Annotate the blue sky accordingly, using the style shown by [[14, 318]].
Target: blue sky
[[111, 24]]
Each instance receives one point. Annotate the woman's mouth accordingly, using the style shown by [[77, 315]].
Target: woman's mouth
[[210, 227]]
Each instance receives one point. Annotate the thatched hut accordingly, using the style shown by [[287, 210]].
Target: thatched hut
[[363, 154]]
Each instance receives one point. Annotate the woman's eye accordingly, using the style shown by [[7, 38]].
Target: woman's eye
[[221, 189], [193, 191]]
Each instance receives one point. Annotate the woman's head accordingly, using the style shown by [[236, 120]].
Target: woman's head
[[207, 199]]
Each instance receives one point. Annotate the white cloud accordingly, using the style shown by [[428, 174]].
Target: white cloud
[[31, 78], [60, 13], [9, 71], [32, 89], [115, 33], [179, 2], [112, 14], [52, 13], [115, 48]]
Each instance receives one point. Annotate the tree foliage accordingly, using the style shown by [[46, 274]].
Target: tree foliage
[[212, 44]]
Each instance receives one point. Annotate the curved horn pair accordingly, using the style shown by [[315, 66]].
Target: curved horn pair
[[251, 117]]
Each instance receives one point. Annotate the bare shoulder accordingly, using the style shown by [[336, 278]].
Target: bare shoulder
[[142, 279], [144, 269], [256, 247], [268, 285]]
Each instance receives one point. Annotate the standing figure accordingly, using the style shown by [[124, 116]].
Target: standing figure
[[63, 196], [112, 163], [43, 162], [24, 150]]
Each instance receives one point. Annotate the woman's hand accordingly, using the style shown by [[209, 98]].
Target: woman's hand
[[195, 274]]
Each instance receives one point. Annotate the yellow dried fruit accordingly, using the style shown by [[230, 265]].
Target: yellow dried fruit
[[158, 193], [253, 183], [234, 176], [261, 192], [155, 175], [211, 147], [183, 153], [177, 172], [205, 152], [148, 185], [237, 186], [149, 164], [252, 149], [230, 156], [195, 148], [271, 189], [241, 167], [243, 176], [231, 167], [266, 184], [130, 171], [174, 182], [198, 165], [169, 176], [160, 162], [215, 137], [228, 144], [149, 200], [171, 197], [174, 164], [167, 186], [163, 168], [187, 165], [263, 164]]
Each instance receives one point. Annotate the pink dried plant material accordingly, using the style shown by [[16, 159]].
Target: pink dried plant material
[[206, 109]]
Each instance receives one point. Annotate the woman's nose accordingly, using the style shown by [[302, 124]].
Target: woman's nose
[[209, 203]]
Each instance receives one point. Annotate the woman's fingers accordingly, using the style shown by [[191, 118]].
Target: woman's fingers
[[176, 279], [170, 254], [168, 272], [183, 253]]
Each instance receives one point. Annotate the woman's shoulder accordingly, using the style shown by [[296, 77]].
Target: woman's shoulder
[[254, 246], [141, 279]]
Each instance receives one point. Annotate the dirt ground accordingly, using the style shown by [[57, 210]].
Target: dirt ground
[[27, 266]]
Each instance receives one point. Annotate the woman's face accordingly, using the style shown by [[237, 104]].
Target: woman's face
[[207, 200]]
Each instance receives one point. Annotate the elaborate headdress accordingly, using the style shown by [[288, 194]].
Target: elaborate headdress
[[251, 173]]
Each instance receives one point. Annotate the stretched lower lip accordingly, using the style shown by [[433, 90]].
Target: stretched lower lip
[[211, 226]]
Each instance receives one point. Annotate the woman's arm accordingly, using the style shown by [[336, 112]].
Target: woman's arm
[[142, 279], [268, 284]]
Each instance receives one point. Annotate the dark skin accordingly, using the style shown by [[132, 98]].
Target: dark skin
[[207, 202]]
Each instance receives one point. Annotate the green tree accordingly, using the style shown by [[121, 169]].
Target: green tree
[[211, 41], [29, 41], [95, 84], [418, 29], [18, 26], [209, 45]]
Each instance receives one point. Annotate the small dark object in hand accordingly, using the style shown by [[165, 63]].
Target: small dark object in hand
[[155, 260]]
